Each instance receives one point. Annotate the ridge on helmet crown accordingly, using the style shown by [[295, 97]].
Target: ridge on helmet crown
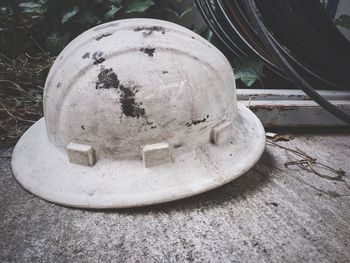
[[129, 83]]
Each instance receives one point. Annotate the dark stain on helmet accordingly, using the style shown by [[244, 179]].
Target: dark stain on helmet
[[99, 61], [102, 36], [86, 55], [98, 57], [107, 79], [195, 122], [128, 104], [148, 30], [147, 50]]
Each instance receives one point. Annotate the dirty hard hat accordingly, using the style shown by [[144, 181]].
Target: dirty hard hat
[[137, 112]]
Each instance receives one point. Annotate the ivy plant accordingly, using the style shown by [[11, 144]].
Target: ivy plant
[[53, 23], [343, 21], [248, 70], [26, 25]]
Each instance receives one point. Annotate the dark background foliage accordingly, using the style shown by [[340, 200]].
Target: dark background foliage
[[42, 26], [51, 24]]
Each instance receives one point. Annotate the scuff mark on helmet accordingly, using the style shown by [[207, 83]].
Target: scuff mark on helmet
[[107, 79], [97, 57], [86, 55], [102, 36], [147, 50], [98, 61], [148, 30], [195, 122]]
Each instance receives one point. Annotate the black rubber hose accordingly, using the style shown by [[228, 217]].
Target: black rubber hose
[[301, 41], [203, 9], [232, 40], [242, 29], [254, 14], [282, 58]]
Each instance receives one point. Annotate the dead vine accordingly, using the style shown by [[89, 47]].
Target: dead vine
[[312, 165]]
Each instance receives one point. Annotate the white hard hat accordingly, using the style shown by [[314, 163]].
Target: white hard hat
[[137, 112]]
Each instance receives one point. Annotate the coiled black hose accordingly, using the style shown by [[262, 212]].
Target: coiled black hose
[[294, 38]]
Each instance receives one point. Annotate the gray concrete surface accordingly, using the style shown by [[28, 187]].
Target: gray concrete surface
[[271, 214]]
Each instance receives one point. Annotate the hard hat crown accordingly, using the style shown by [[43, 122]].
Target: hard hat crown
[[120, 86]]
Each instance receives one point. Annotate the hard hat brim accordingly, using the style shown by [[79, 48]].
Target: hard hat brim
[[44, 170]]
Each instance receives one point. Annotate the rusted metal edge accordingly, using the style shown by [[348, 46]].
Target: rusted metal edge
[[286, 94], [293, 108]]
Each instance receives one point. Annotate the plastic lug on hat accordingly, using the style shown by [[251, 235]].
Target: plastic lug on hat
[[137, 112]]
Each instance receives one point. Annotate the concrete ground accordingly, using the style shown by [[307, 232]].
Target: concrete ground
[[270, 214]]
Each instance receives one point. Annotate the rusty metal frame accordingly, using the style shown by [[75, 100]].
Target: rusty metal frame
[[293, 108]]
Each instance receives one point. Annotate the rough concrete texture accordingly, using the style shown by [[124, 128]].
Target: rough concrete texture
[[271, 214]]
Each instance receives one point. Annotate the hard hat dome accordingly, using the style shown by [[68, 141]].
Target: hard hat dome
[[128, 83], [137, 112]]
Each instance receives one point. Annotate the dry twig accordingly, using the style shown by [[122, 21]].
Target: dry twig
[[311, 164], [21, 87]]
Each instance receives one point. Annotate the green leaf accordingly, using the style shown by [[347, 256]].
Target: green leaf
[[56, 41], [343, 21], [206, 33], [31, 7], [87, 17], [139, 6], [68, 15], [248, 70], [111, 13], [171, 11], [187, 10], [249, 79]]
